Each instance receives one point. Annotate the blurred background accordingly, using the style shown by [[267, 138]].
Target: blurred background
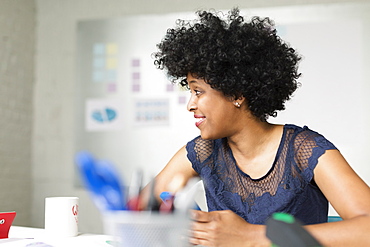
[[53, 80]]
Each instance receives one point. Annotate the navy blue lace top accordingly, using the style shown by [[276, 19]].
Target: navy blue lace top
[[287, 187]]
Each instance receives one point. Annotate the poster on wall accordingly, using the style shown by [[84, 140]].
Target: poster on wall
[[103, 115], [105, 65], [149, 112]]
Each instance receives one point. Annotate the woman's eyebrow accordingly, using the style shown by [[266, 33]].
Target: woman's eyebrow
[[192, 81]]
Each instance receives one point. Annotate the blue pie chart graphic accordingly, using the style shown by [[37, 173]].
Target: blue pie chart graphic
[[104, 116]]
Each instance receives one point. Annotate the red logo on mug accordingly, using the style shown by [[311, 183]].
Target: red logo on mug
[[75, 210]]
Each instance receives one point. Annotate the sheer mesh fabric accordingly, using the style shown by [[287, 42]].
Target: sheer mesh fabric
[[228, 187]]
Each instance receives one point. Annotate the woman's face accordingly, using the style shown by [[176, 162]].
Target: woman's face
[[216, 115]]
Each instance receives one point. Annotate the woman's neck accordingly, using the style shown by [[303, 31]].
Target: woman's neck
[[255, 146], [253, 135]]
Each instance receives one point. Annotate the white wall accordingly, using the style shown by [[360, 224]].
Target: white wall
[[333, 96], [17, 42], [53, 139]]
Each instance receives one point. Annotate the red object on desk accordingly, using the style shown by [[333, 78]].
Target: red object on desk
[[6, 220], [133, 204]]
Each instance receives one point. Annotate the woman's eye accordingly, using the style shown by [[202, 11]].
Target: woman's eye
[[196, 92]]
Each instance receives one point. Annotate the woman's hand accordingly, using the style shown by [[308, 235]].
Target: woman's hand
[[225, 228]]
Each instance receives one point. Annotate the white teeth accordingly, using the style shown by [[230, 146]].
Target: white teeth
[[199, 120]]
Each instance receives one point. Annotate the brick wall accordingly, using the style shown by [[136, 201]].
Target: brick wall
[[17, 46]]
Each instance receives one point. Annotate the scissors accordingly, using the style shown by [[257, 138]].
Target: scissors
[[102, 180]]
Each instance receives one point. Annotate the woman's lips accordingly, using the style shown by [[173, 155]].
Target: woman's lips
[[200, 120]]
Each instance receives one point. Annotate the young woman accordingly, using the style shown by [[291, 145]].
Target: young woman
[[239, 73]]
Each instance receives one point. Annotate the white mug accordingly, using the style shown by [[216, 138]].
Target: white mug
[[61, 216]]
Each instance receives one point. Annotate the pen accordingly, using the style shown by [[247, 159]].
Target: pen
[[153, 204], [167, 205], [133, 197]]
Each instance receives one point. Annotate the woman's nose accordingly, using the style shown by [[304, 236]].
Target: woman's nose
[[192, 104]]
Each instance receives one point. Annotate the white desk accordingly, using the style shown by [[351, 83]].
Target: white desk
[[36, 237]]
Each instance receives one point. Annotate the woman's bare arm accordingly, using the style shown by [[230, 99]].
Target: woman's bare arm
[[350, 197], [172, 178]]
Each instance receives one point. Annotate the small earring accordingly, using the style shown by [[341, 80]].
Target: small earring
[[237, 104]]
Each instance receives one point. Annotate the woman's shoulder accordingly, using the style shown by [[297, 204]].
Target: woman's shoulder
[[300, 132], [202, 148], [304, 135], [198, 144]]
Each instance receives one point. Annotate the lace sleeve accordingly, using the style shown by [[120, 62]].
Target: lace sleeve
[[199, 150], [309, 147]]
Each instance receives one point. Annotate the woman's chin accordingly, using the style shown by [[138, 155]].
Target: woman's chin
[[206, 136]]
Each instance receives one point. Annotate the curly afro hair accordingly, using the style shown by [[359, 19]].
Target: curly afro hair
[[233, 56]]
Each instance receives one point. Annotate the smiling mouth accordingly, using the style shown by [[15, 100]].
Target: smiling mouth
[[199, 120]]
